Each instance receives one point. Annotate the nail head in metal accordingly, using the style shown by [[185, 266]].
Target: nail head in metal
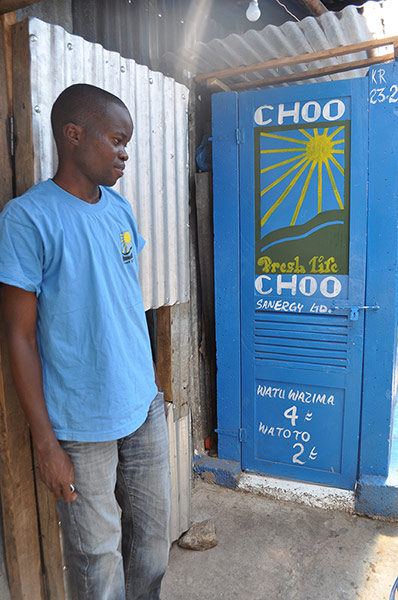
[[33, 37], [123, 69], [37, 108], [69, 45]]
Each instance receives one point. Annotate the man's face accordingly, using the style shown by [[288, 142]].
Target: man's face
[[101, 153]]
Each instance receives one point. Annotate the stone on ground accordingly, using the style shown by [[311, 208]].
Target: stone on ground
[[200, 536]]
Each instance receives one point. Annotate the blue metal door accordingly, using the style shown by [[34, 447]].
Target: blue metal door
[[302, 159], [303, 197]]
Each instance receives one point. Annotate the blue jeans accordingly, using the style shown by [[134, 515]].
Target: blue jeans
[[116, 532]]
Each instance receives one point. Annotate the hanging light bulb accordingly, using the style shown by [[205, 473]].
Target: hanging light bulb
[[253, 12]]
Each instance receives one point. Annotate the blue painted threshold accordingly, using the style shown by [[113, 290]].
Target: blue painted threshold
[[378, 496], [375, 497], [218, 470]]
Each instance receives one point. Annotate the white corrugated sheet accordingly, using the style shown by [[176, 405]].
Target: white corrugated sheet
[[352, 25], [180, 457], [156, 176]]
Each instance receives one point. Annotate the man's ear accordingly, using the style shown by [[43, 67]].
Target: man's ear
[[72, 133]]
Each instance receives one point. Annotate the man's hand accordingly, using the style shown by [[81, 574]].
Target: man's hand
[[56, 471]]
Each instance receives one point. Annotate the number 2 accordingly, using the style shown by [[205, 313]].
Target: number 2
[[394, 91], [295, 458]]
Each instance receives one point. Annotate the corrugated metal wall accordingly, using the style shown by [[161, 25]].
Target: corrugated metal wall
[[156, 176], [180, 457]]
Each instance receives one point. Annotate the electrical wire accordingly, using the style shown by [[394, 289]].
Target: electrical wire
[[287, 10], [393, 590]]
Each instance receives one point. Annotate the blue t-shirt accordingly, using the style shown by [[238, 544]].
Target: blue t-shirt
[[81, 261]]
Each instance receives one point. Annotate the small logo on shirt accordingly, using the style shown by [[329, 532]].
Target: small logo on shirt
[[127, 246]]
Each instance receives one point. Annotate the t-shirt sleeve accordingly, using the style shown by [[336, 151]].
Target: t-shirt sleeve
[[21, 255], [140, 242]]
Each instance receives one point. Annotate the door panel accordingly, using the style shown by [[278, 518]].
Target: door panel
[[303, 174]]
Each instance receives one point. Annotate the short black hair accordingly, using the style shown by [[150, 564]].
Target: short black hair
[[80, 103]]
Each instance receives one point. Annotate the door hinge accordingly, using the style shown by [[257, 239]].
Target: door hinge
[[11, 134], [239, 433], [239, 135]]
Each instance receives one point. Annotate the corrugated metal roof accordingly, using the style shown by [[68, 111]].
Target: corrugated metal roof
[[156, 176], [146, 30], [350, 26]]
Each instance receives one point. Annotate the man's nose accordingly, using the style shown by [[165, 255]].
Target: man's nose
[[123, 154]]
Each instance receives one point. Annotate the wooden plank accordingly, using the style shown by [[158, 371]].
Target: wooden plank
[[204, 213], [18, 496], [24, 161], [50, 542], [197, 373], [163, 351], [17, 486], [7, 499], [217, 85], [5, 112], [324, 72], [7, 22], [24, 157], [301, 58], [7, 6]]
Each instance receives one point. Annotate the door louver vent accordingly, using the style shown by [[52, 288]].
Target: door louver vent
[[302, 341]]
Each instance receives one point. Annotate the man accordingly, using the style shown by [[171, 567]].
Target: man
[[80, 354]]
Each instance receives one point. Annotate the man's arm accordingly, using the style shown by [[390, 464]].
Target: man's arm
[[20, 315]]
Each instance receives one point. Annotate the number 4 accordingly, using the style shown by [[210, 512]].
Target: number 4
[[291, 413]]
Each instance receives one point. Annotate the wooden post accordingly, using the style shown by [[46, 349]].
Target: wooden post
[[204, 212], [31, 531], [24, 166], [24, 157], [5, 108], [17, 486]]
